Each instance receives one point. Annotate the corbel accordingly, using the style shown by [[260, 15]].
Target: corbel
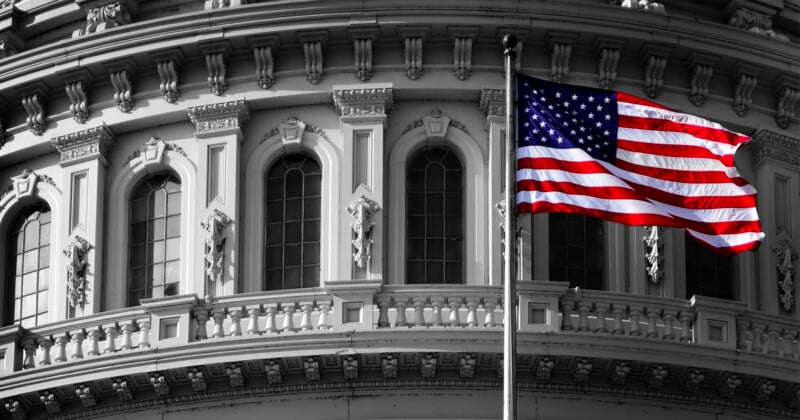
[[167, 64], [413, 39], [702, 69], [76, 84], [121, 74], [363, 41], [264, 48], [655, 62], [216, 52], [34, 99], [313, 48], [745, 83], [788, 95], [608, 52], [560, 44], [462, 38]]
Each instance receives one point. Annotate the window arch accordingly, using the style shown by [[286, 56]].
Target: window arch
[[28, 265], [434, 217], [576, 250], [154, 238], [293, 205]]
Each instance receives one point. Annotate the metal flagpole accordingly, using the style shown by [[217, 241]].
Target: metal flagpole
[[510, 222]]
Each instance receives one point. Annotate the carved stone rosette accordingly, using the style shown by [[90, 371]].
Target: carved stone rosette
[[84, 145], [362, 209], [213, 224], [785, 254], [77, 253], [654, 256]]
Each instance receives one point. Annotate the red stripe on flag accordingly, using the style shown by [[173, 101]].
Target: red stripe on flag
[[693, 177], [674, 150], [705, 133]]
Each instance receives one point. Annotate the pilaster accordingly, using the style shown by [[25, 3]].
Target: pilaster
[[362, 111], [83, 162], [219, 133]]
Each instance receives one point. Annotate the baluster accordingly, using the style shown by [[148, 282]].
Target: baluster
[[669, 331], [271, 310], [618, 311], [686, 318], [419, 311], [29, 350], [436, 305], [472, 311], [567, 304], [455, 304], [636, 328], [94, 336], [144, 333], [383, 311], [253, 311], [743, 328], [201, 315], [288, 317], [758, 337], [61, 347], [489, 304], [236, 322], [601, 309], [305, 319], [401, 320], [126, 343], [583, 315], [44, 350], [219, 318], [788, 346], [772, 341], [111, 338], [77, 344], [323, 323], [652, 328]]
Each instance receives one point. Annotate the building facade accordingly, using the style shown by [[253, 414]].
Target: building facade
[[272, 209]]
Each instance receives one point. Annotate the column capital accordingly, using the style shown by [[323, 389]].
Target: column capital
[[767, 144], [93, 143], [219, 118], [362, 103], [493, 103]]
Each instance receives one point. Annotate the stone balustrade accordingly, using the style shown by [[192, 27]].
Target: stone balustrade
[[764, 334], [452, 306]]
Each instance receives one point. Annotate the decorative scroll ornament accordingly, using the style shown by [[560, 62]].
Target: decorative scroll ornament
[[607, 67], [363, 58], [786, 254], [701, 75], [77, 253], [654, 256], [362, 210], [24, 184], [413, 57], [213, 224], [787, 101], [34, 107], [462, 57], [265, 76], [104, 17]]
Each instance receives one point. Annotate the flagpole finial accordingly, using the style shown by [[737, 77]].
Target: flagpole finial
[[509, 43]]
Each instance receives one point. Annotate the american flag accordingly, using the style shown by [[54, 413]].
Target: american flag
[[621, 158]]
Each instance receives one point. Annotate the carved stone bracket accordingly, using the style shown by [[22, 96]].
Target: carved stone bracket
[[121, 75], [608, 51], [76, 84], [313, 47], [646, 5], [463, 39], [86, 395], [33, 101], [84, 145], [654, 255], [273, 372], [216, 53], [362, 209], [160, 384], [50, 402], [702, 68], [560, 44], [263, 50], [15, 409], [655, 62], [311, 367], [363, 41], [746, 80], [363, 102], [413, 38], [219, 117], [167, 64], [213, 224], [785, 254], [77, 253], [104, 17], [788, 96], [755, 22], [768, 144]]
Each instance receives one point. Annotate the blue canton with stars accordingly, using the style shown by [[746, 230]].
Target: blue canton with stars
[[567, 116]]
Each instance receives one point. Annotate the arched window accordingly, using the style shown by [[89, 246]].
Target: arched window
[[435, 217], [28, 264], [155, 238], [293, 202], [576, 250], [707, 273]]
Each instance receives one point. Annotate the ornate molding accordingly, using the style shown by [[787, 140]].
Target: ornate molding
[[77, 253], [788, 97], [755, 22], [153, 151], [746, 81], [560, 52], [413, 39], [76, 85], [768, 144], [363, 102], [362, 49], [105, 17], [313, 48], [436, 124], [607, 67], [84, 145], [785, 254], [220, 116], [221, 4], [215, 55], [493, 102], [655, 61], [463, 38], [160, 384], [86, 395], [362, 209], [122, 81], [167, 64], [263, 48], [654, 255], [646, 5], [702, 68], [213, 224], [292, 130], [25, 183], [33, 101]]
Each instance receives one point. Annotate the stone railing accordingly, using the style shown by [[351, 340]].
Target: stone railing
[[183, 322]]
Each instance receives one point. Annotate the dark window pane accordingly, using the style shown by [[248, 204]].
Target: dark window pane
[[274, 233], [274, 256], [435, 178], [453, 250], [452, 180], [294, 184], [274, 211], [292, 278], [275, 189], [434, 203], [313, 185], [310, 276], [311, 230], [292, 255], [576, 250], [171, 289], [416, 249], [435, 226], [416, 203], [311, 208], [707, 273], [416, 226], [138, 233], [453, 273], [138, 256], [311, 253], [293, 232], [294, 209], [415, 272], [434, 272], [435, 249], [274, 279]]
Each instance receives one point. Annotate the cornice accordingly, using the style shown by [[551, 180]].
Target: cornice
[[84, 145], [767, 144]]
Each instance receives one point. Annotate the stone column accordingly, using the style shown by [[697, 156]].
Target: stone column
[[83, 162], [363, 118], [219, 133]]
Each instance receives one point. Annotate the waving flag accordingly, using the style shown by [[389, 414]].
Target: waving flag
[[621, 158]]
